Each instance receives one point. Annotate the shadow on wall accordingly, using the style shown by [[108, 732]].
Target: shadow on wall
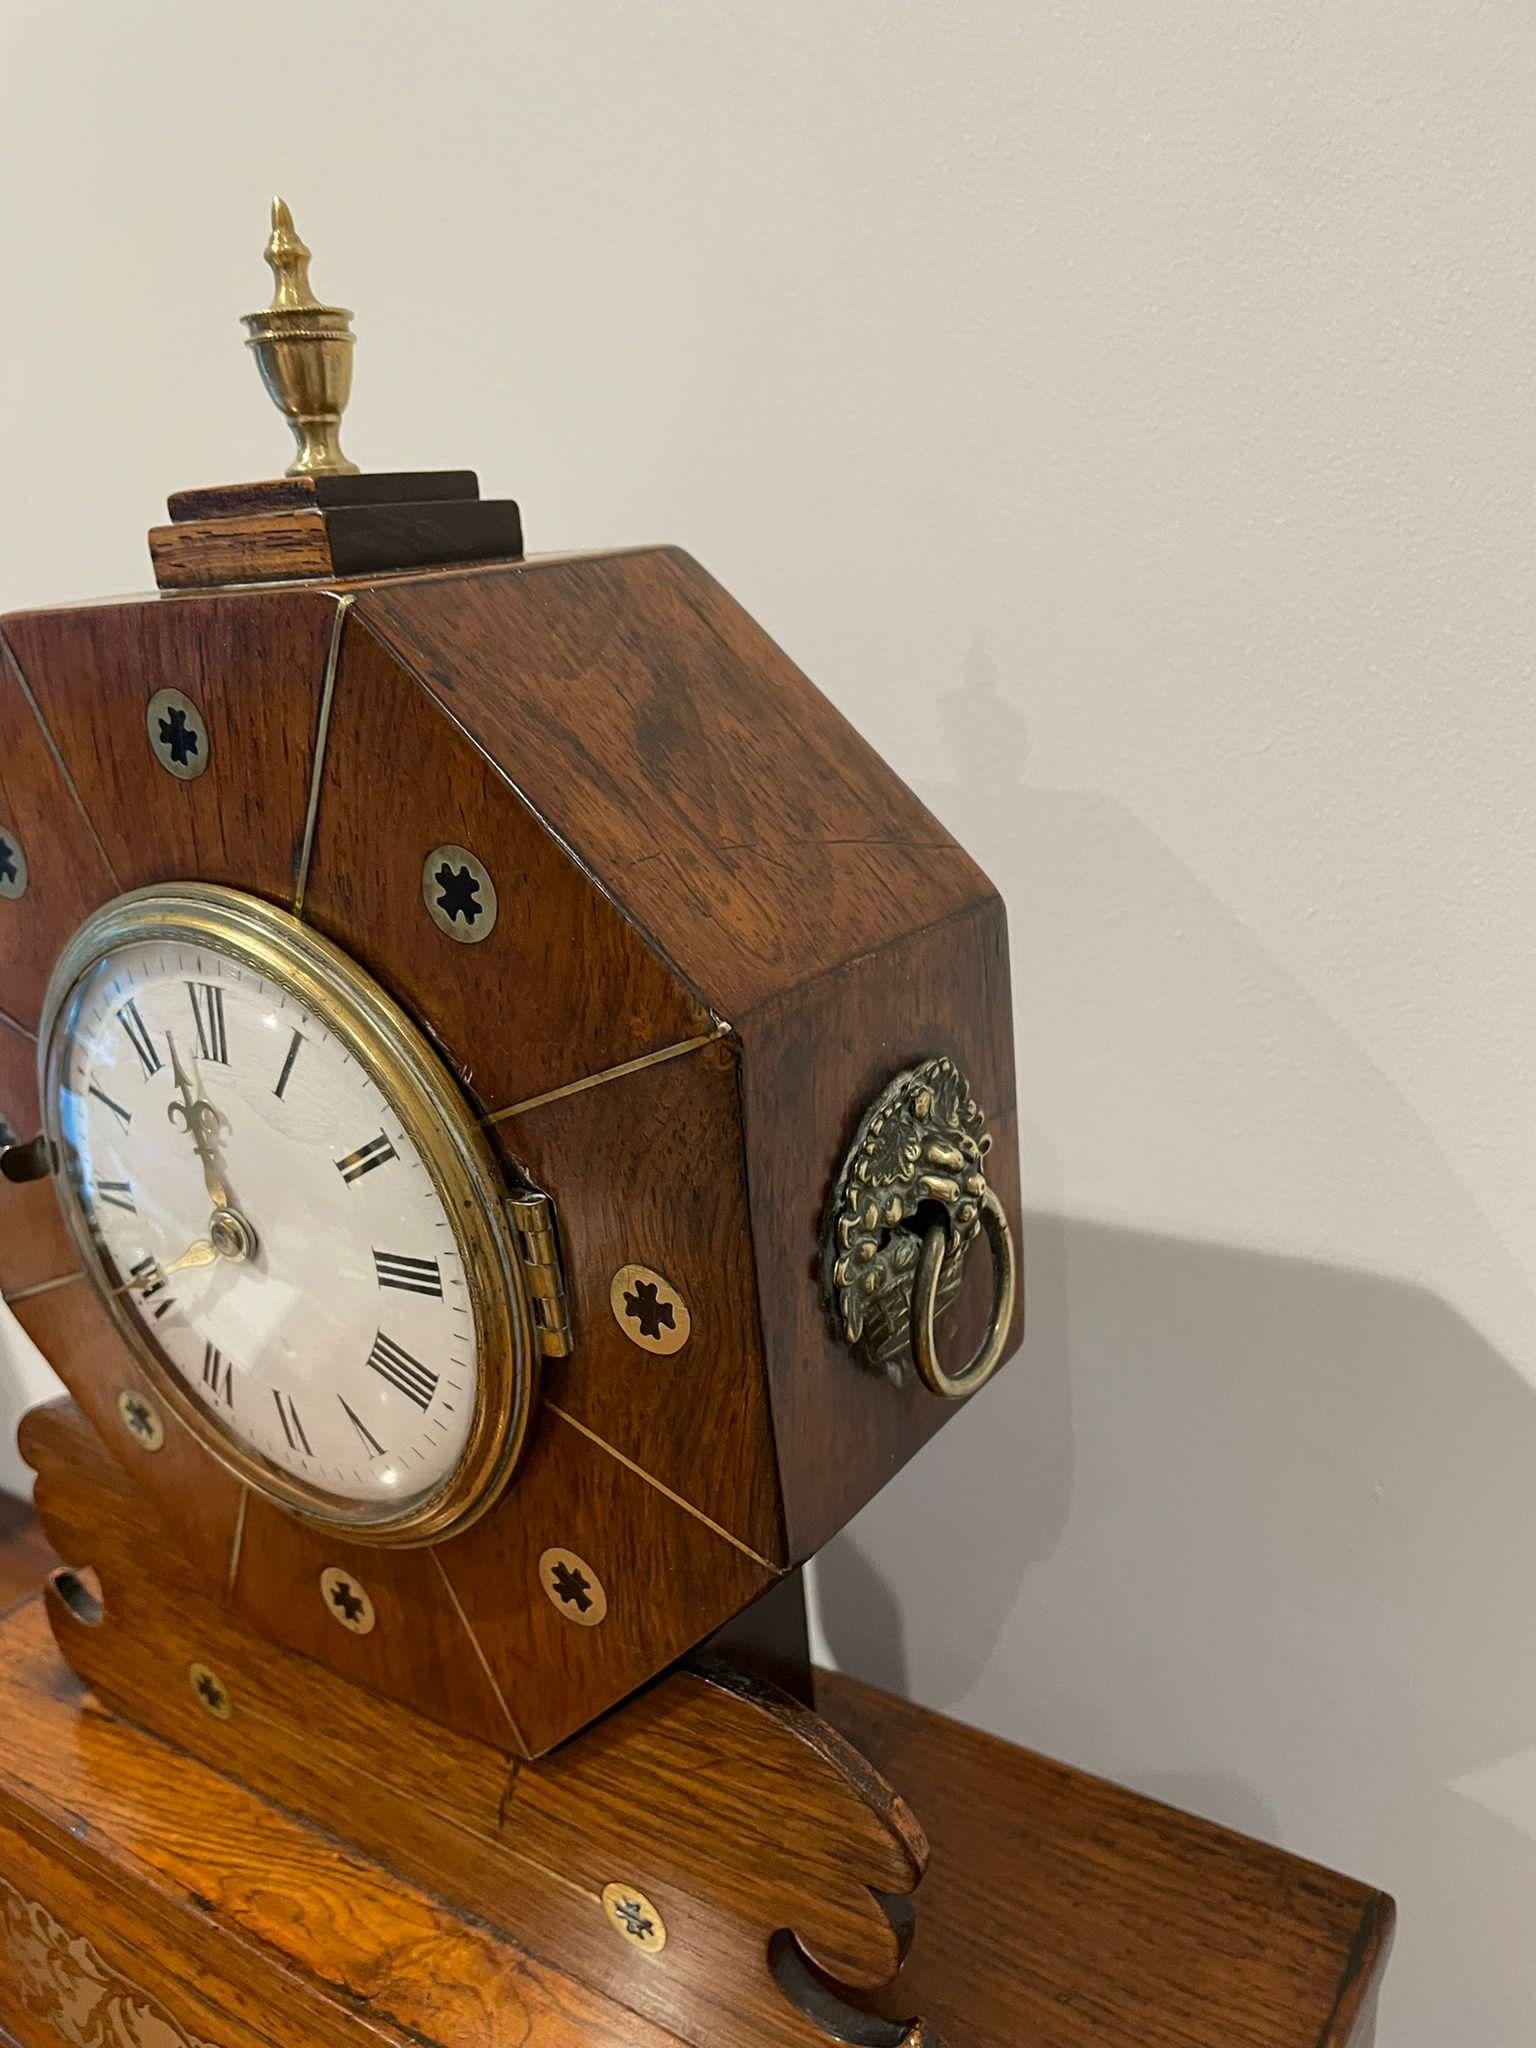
[[1255, 1534], [1311, 1503], [1294, 1589]]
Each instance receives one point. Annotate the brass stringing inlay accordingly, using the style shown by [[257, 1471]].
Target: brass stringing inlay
[[62, 1980]]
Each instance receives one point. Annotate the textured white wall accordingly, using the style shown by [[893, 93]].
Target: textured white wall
[[1125, 413]]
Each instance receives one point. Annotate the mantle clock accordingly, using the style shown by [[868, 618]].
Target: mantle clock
[[512, 1143]]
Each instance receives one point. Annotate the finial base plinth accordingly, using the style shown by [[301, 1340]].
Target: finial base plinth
[[331, 524]]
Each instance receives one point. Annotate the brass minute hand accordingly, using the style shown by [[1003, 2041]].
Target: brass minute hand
[[202, 1121]]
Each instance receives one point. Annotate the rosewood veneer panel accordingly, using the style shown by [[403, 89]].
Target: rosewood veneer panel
[[647, 1169], [66, 874], [253, 663], [562, 986], [725, 803]]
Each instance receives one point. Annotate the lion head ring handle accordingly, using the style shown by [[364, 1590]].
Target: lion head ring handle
[[954, 1386], [909, 1204]]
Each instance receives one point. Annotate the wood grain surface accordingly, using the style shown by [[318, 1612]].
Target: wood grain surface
[[811, 1063], [1057, 1911], [467, 1634], [737, 817], [67, 875], [647, 1171], [1061, 1911], [262, 547], [735, 1812], [668, 1578], [216, 1918], [193, 1506], [420, 1650], [562, 987], [338, 540], [789, 876], [253, 663]]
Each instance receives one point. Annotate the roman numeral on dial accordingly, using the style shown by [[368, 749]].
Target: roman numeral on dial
[[218, 1375], [365, 1158], [411, 1276], [118, 1193], [293, 1428], [370, 1442], [407, 1375], [139, 1038], [150, 1281], [124, 1116], [208, 1015]]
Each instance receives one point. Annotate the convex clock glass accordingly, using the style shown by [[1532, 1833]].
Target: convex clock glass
[[289, 1209]]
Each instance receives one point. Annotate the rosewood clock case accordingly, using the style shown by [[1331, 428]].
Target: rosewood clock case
[[669, 947], [723, 925]]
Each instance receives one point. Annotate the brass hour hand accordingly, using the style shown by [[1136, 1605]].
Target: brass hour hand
[[202, 1122], [200, 1252]]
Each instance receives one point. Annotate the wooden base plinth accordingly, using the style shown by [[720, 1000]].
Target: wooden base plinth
[[149, 1901]]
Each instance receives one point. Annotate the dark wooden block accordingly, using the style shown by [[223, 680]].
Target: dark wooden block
[[310, 493]]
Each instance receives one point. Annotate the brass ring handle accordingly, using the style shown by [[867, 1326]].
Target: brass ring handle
[[925, 1305], [906, 1209]]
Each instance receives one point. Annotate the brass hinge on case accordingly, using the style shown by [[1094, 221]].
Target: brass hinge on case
[[538, 1240]]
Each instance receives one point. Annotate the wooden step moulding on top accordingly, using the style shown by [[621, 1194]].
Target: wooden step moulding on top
[[299, 526]]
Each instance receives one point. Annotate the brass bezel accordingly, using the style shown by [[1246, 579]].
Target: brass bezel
[[439, 1124]]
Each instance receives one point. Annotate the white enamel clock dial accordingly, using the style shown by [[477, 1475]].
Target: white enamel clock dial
[[266, 1223]]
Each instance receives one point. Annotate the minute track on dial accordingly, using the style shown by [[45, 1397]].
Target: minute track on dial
[[369, 1440], [354, 1338]]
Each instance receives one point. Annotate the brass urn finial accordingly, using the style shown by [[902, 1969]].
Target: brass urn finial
[[304, 353]]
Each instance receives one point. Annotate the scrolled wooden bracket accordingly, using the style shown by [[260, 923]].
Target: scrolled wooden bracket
[[772, 1868]]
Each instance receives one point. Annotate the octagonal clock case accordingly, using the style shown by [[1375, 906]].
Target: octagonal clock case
[[524, 1095]]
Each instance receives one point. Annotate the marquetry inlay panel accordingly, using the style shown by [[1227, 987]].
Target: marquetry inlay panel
[[61, 1979]]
